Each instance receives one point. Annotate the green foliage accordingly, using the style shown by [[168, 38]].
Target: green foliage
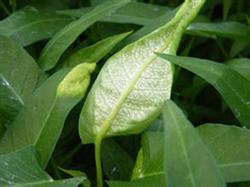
[[76, 72]]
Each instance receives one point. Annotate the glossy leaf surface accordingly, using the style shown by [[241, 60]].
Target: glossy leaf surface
[[19, 68], [41, 120], [21, 167], [10, 102]]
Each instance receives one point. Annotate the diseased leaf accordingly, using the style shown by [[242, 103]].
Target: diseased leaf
[[30, 25], [241, 65], [134, 83], [96, 52], [154, 180], [10, 102], [233, 30], [66, 36], [19, 68], [41, 120], [233, 87], [117, 163], [185, 154], [229, 145], [21, 167]]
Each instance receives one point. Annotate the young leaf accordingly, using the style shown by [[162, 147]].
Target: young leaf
[[233, 30], [96, 52], [134, 83], [41, 120], [154, 180], [186, 156], [30, 25], [229, 145], [21, 167], [10, 102], [66, 36], [19, 68], [233, 87], [241, 65]]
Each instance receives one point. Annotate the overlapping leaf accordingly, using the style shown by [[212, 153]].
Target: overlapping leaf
[[30, 25], [233, 87], [41, 120], [19, 68], [66, 36], [186, 156]]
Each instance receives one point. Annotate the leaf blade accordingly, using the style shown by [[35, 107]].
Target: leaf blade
[[231, 85], [185, 153], [66, 36]]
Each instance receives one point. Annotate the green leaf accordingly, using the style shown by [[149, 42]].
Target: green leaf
[[73, 182], [41, 120], [30, 25], [21, 167], [186, 156], [154, 180], [241, 65], [134, 83], [229, 145], [134, 12], [96, 52], [19, 68], [233, 30], [77, 173], [117, 163], [66, 36], [233, 87], [10, 102]]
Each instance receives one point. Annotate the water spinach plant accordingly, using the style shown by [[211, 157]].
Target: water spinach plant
[[106, 93]]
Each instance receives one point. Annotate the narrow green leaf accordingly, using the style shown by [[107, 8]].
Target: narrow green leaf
[[21, 167], [233, 30], [66, 36], [30, 25], [96, 52], [154, 180], [117, 163], [186, 156], [241, 65], [134, 12], [10, 102], [134, 83], [233, 87], [41, 120], [19, 68], [229, 145]]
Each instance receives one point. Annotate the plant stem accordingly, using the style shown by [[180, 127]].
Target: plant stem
[[98, 162]]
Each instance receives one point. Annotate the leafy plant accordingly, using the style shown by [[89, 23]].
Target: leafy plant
[[159, 90]]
